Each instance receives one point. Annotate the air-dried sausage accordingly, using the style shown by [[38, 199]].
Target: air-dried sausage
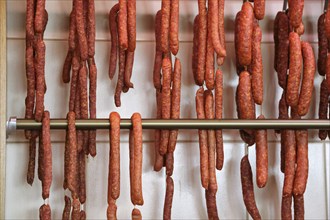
[[256, 65], [261, 156], [301, 175], [122, 25], [218, 96], [168, 198], [323, 45], [114, 40], [174, 27]]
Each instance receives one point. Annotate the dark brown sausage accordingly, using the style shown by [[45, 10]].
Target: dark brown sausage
[[114, 40], [301, 175], [67, 67], [128, 69], [323, 45], [327, 72], [327, 23], [295, 66], [45, 212], [307, 86], [203, 147], [218, 96], [165, 25], [168, 198], [32, 161], [247, 188]]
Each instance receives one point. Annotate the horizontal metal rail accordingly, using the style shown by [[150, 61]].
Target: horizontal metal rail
[[25, 124]]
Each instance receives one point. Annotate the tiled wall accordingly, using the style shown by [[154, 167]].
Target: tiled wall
[[23, 201]]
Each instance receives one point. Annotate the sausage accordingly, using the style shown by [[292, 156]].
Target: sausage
[[114, 40], [120, 82], [307, 85], [75, 214], [282, 48], [209, 66], [211, 141], [159, 53], [327, 23], [31, 84], [323, 45], [282, 152], [81, 30], [122, 25], [92, 104], [259, 9], [67, 208], [169, 163], [77, 110], [114, 155], [138, 158], [203, 147], [221, 5], [282, 109], [296, 11], [243, 34], [72, 171], [175, 103], [168, 198], [82, 177], [136, 214], [129, 69], [82, 215], [247, 188], [213, 28], [202, 42], [327, 73], [67, 67], [74, 79], [47, 156], [165, 25], [166, 103], [174, 27], [194, 60], [323, 107], [256, 65], [275, 37], [299, 210], [40, 50], [39, 16], [286, 212], [72, 29], [112, 211], [159, 159], [301, 175], [211, 204], [30, 11], [32, 161], [218, 97], [290, 161], [295, 66], [261, 156], [301, 29], [45, 212], [131, 164], [91, 28], [131, 25]]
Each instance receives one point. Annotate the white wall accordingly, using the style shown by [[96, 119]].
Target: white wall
[[23, 201]]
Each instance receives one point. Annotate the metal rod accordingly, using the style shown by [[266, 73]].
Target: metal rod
[[325, 6], [285, 5], [182, 124]]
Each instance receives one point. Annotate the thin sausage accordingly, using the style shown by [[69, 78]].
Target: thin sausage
[[128, 69], [221, 4], [91, 28], [131, 25], [218, 96], [165, 25], [327, 72], [295, 66], [202, 42], [120, 82], [75, 214], [323, 45], [131, 164], [159, 159], [327, 23], [296, 11], [122, 25], [47, 156], [74, 79], [301, 175], [67, 67], [158, 53], [166, 103], [259, 9], [194, 60], [256, 65], [168, 198], [67, 208], [30, 11], [45, 212], [72, 171], [112, 211], [169, 163], [209, 66], [211, 141], [138, 158], [73, 29], [290, 161], [92, 104], [114, 40], [30, 84], [299, 210], [114, 155], [81, 29], [82, 177], [286, 212], [39, 16], [247, 188], [136, 214], [174, 27], [323, 107], [261, 156]]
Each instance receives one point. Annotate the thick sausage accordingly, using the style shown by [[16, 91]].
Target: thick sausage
[[159, 159], [202, 42], [175, 103], [301, 175], [131, 25], [256, 65], [81, 29], [261, 156], [282, 109], [112, 211], [243, 34], [259, 9], [295, 66], [211, 141], [168, 198], [114, 40], [323, 45], [122, 25], [218, 96], [323, 107], [203, 147], [213, 27], [114, 156], [174, 27], [67, 208], [166, 103], [45, 212], [73, 29], [165, 25], [47, 156], [295, 13], [290, 162], [138, 158], [247, 188], [307, 85], [169, 163]]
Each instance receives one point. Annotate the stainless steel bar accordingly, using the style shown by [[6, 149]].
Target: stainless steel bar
[[183, 124], [285, 5]]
